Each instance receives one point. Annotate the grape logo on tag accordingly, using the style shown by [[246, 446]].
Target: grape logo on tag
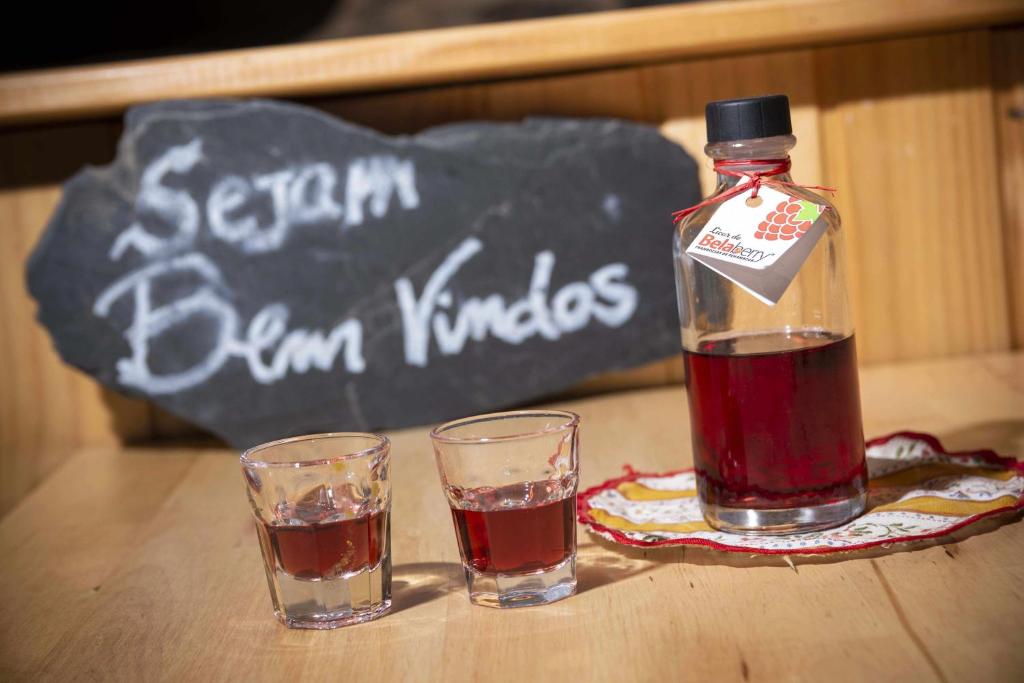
[[791, 219]]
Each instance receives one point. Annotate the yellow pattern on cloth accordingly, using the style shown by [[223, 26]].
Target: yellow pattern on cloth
[[935, 505], [635, 491], [619, 523]]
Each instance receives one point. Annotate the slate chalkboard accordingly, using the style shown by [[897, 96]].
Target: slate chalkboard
[[263, 269]]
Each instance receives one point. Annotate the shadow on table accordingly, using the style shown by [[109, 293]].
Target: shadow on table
[[417, 583], [600, 563]]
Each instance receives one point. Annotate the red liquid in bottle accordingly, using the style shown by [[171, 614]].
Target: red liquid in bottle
[[499, 538], [327, 549], [776, 428]]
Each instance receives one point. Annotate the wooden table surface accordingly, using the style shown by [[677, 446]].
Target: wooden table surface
[[143, 564]]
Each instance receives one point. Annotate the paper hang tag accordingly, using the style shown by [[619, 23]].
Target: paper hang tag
[[760, 248]]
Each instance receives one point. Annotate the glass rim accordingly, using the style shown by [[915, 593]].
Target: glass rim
[[438, 433], [382, 444]]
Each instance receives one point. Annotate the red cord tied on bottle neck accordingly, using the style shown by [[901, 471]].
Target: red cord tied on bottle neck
[[754, 181]]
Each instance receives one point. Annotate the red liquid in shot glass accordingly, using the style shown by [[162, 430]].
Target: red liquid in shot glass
[[779, 428], [327, 549], [505, 532]]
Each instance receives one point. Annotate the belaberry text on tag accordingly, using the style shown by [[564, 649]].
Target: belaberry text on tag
[[721, 242], [761, 247]]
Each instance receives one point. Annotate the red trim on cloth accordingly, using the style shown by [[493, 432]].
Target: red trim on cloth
[[584, 516]]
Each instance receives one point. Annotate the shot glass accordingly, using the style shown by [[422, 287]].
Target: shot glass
[[322, 505], [511, 480]]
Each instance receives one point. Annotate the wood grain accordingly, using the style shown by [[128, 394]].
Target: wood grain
[[908, 140], [148, 568], [1008, 69], [472, 53]]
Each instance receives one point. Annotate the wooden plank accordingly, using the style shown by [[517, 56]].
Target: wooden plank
[[101, 502], [908, 140], [1008, 70], [981, 651], [484, 52], [166, 538]]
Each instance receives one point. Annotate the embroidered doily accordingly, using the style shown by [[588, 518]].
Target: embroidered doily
[[917, 490]]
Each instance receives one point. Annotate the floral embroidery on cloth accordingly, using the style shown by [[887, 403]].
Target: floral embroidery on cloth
[[917, 490]]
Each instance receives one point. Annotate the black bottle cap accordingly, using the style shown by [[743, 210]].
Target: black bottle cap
[[748, 118]]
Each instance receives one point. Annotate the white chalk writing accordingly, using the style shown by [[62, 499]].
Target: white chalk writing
[[605, 296], [295, 196], [175, 207], [375, 179], [298, 350], [257, 214]]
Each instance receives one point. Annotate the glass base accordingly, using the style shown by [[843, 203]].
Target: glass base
[[522, 590], [780, 521], [332, 603], [333, 620]]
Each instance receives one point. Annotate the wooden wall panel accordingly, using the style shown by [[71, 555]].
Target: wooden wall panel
[[1008, 69], [908, 139], [671, 96], [463, 54]]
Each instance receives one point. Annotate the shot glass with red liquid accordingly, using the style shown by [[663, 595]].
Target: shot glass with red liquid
[[322, 505], [510, 479]]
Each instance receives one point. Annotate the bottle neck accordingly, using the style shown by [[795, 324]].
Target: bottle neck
[[737, 158], [730, 173]]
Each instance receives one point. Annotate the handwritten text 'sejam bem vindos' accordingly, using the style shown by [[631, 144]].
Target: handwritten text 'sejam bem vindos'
[[306, 195]]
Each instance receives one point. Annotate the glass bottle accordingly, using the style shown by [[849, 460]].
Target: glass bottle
[[778, 444]]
